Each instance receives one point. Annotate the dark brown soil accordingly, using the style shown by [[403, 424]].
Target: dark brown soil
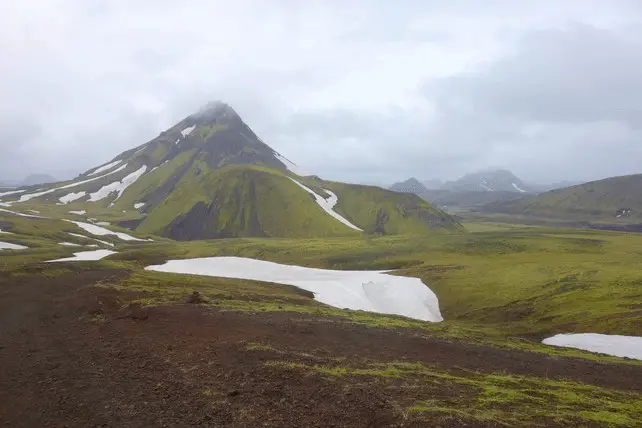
[[78, 356]]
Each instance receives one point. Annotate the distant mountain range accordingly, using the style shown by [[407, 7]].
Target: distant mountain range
[[475, 189], [210, 176]]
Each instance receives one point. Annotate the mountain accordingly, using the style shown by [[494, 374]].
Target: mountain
[[541, 188], [35, 179], [612, 199], [458, 196], [488, 181], [210, 176], [412, 185]]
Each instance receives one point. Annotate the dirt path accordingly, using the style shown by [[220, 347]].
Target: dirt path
[[71, 356]]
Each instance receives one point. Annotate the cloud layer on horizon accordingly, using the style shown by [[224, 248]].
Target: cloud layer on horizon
[[364, 92]]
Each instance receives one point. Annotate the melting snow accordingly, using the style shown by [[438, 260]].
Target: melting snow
[[139, 205], [328, 204], [185, 132], [69, 244], [105, 168], [34, 211], [93, 239], [117, 186], [13, 192], [103, 223], [86, 255], [5, 204], [619, 346], [519, 189], [81, 212], [485, 187], [29, 196], [8, 233], [9, 246], [70, 197], [178, 140], [373, 291], [101, 231], [21, 214]]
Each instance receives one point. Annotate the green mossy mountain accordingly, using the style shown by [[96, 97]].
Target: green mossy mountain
[[616, 200], [210, 176]]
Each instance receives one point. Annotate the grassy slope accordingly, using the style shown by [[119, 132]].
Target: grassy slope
[[520, 281], [234, 194], [407, 214], [597, 200], [494, 283]]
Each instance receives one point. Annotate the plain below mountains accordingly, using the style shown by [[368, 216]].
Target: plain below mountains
[[211, 176]]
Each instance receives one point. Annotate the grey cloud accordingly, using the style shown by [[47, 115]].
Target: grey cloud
[[334, 86]]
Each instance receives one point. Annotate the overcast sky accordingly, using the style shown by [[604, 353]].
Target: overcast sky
[[363, 91]]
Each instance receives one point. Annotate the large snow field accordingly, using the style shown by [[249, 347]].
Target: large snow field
[[374, 291], [327, 204], [70, 197], [85, 255], [619, 346]]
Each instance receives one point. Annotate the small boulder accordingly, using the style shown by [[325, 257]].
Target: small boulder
[[196, 298]]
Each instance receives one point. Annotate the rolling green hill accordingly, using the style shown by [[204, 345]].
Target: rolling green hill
[[612, 200]]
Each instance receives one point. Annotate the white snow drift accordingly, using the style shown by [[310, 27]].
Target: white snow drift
[[29, 196], [10, 246], [69, 244], [70, 197], [105, 168], [327, 204], [519, 189], [373, 291], [12, 192], [619, 346], [85, 255], [80, 212], [4, 231], [117, 186], [139, 205], [185, 132], [101, 231]]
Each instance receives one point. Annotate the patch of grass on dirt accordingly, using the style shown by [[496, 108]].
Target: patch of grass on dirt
[[509, 400]]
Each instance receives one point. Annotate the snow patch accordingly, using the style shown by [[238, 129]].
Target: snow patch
[[519, 189], [8, 233], [117, 186], [81, 212], [10, 246], [178, 140], [78, 235], [105, 168], [619, 346], [34, 211], [29, 196], [485, 187], [85, 255], [101, 231], [13, 192], [69, 244], [5, 204], [21, 214], [70, 197], [373, 291], [185, 132], [328, 204], [103, 223], [139, 205]]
